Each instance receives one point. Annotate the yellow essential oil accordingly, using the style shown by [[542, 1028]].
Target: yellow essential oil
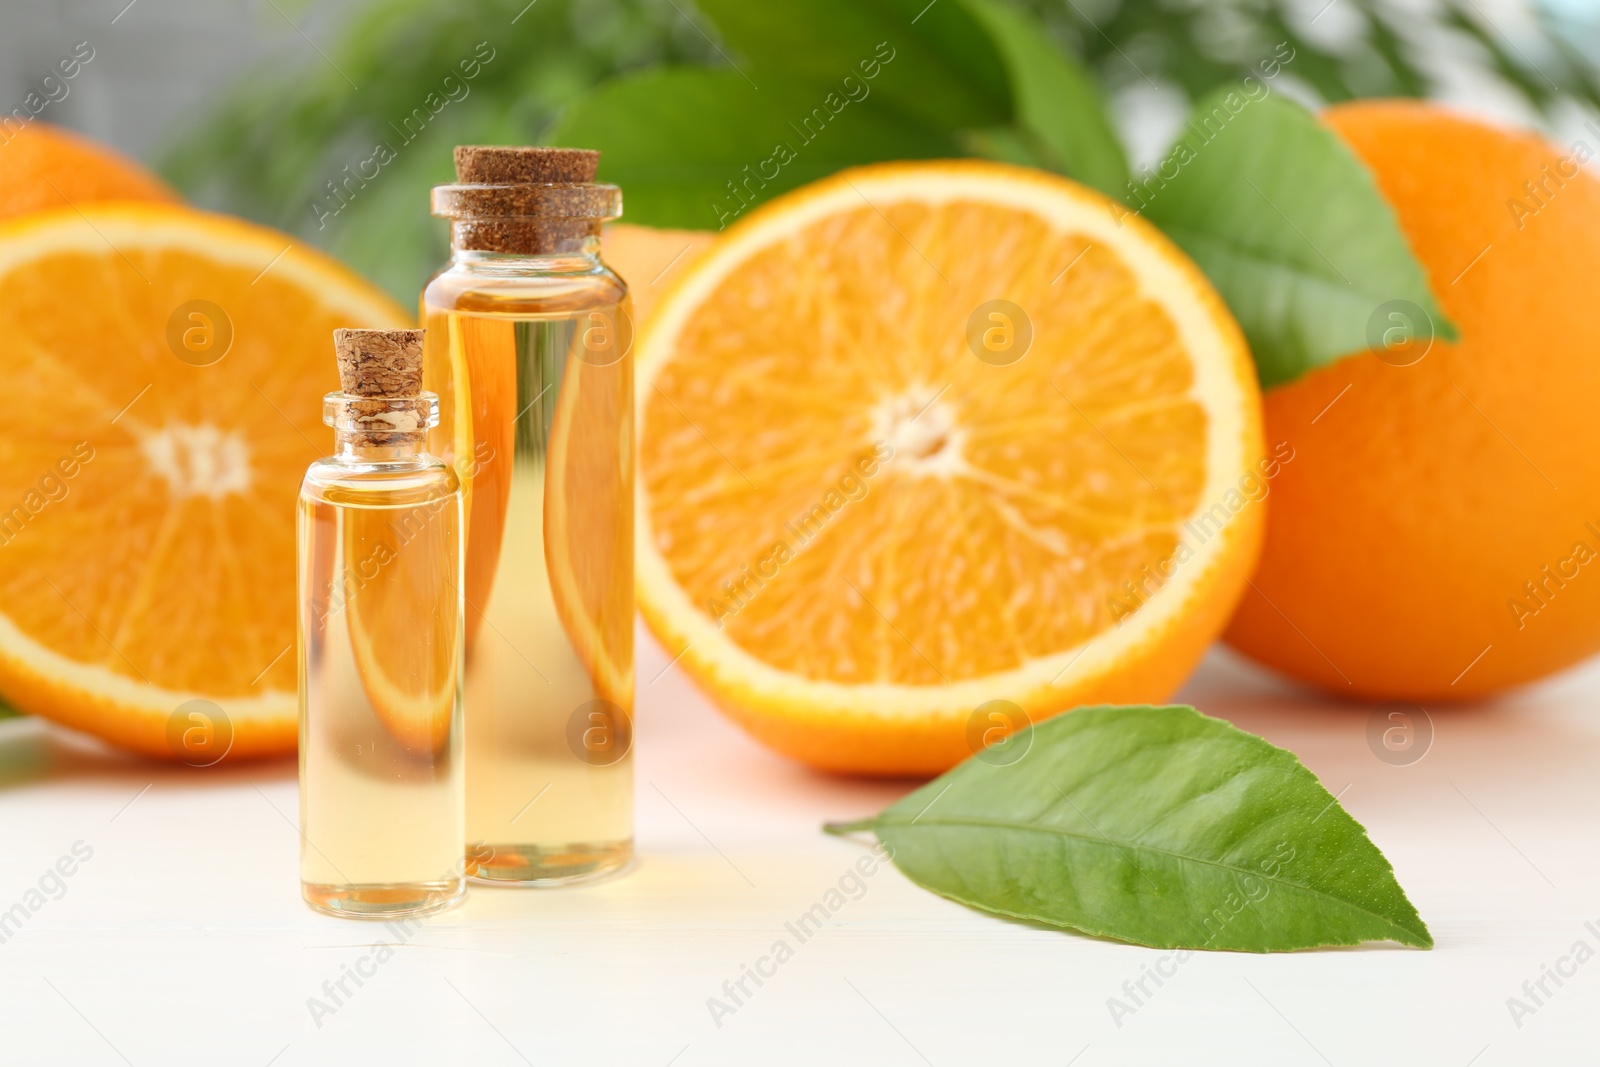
[[381, 633], [528, 339]]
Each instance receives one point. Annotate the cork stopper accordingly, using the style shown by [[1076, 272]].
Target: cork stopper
[[379, 363], [526, 200], [478, 164], [382, 405]]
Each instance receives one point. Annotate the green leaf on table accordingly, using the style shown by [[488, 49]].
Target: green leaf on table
[[1057, 111], [1155, 825], [694, 147], [943, 77], [1291, 229]]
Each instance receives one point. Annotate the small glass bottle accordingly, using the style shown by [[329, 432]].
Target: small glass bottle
[[528, 348], [381, 744]]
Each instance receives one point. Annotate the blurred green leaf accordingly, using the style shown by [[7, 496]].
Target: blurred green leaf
[[1057, 109], [1289, 226], [692, 148], [945, 76]]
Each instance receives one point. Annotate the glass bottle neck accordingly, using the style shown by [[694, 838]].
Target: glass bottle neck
[[379, 429], [577, 251], [360, 448]]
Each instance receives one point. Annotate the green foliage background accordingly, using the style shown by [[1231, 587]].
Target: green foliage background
[[268, 149]]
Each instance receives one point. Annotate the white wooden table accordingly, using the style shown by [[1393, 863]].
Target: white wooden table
[[182, 938]]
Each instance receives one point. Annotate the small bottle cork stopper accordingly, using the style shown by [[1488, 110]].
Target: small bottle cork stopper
[[496, 165], [379, 363]]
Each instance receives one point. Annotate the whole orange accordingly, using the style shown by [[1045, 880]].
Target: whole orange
[[1437, 534], [43, 166]]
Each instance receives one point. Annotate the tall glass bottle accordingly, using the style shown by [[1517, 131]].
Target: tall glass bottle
[[528, 346], [381, 635]]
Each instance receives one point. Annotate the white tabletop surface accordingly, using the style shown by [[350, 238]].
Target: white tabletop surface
[[182, 939]]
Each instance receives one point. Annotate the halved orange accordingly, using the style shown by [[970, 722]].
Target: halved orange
[[651, 260], [43, 167], [164, 370], [922, 437]]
